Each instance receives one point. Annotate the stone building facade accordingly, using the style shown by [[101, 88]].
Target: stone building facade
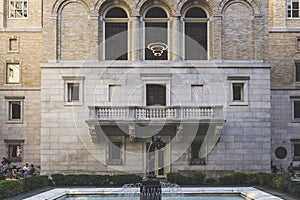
[[106, 76], [285, 77]]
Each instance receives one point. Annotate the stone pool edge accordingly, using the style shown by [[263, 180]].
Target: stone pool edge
[[248, 192]]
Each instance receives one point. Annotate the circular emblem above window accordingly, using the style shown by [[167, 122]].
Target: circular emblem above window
[[280, 152]]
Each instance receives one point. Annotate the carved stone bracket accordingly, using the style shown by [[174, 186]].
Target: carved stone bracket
[[93, 135], [131, 132], [179, 133]]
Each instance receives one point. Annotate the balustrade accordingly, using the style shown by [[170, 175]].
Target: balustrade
[[153, 112]]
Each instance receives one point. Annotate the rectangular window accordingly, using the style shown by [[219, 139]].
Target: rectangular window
[[293, 8], [296, 110], [15, 110], [73, 86], [195, 41], [297, 72], [296, 148], [115, 153], [197, 93], [195, 150], [13, 45], [116, 46], [73, 92], [13, 73], [18, 9], [237, 92], [14, 150], [155, 95]]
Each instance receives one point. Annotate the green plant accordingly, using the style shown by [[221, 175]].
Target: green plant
[[94, 180], [281, 183], [211, 181], [294, 189], [2, 176], [176, 177], [235, 178], [10, 188], [36, 182], [198, 178]]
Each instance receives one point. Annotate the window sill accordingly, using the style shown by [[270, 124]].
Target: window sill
[[115, 162], [297, 120], [74, 103], [238, 103], [14, 122]]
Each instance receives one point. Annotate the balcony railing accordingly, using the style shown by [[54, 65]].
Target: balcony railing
[[155, 112]]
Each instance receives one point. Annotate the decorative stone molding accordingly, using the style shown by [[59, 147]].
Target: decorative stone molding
[[251, 4], [60, 4], [142, 5], [179, 133], [131, 131], [103, 5], [93, 134]]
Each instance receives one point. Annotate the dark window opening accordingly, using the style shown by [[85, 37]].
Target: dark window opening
[[195, 41], [237, 91], [115, 154], [297, 68], [296, 109], [116, 44], [156, 95], [195, 150], [195, 13], [156, 13], [156, 32], [116, 13], [73, 89], [15, 110], [296, 151]]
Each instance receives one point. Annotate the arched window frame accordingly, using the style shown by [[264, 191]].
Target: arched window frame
[[115, 20], [195, 20], [159, 20]]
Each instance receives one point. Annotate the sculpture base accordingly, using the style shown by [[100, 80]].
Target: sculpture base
[[150, 189]]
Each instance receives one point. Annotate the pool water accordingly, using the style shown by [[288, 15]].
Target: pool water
[[194, 197]]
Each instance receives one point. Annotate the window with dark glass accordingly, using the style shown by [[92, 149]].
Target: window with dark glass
[[156, 34], [297, 109], [73, 92], [14, 110], [297, 72], [195, 34], [195, 150], [155, 95], [297, 150], [115, 153], [116, 34], [238, 91], [293, 8], [18, 9], [14, 150]]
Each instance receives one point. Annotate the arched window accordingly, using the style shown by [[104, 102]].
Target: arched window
[[116, 34], [195, 25], [156, 34]]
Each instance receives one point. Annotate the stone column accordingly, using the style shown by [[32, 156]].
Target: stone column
[[94, 36], [135, 43], [100, 39], [176, 39]]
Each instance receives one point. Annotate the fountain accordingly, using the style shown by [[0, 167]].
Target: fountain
[[151, 187]]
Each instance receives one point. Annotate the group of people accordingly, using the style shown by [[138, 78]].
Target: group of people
[[25, 171], [290, 170]]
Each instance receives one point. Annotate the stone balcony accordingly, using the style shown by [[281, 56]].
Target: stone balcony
[[134, 121], [145, 113]]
